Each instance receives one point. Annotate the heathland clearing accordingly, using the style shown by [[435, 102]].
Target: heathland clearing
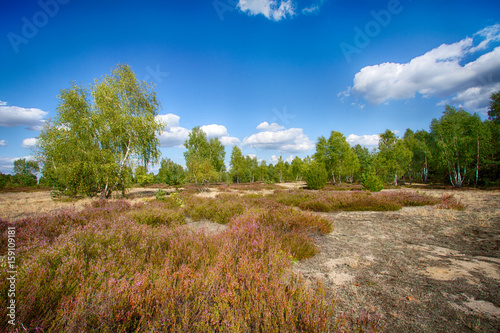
[[420, 268]]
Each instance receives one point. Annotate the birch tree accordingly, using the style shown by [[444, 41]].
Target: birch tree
[[337, 156], [458, 136], [99, 132]]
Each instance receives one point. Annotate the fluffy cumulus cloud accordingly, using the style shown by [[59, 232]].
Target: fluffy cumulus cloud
[[275, 10], [12, 116], [265, 126], [29, 143], [3, 143], [219, 131], [214, 130], [368, 141], [174, 135], [291, 140], [440, 73]]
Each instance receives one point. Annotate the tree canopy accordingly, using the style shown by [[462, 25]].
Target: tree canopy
[[98, 134]]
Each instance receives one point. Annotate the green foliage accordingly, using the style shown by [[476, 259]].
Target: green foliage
[[204, 158], [315, 175], [90, 145], [171, 173], [338, 157], [494, 109], [458, 137], [371, 182], [394, 157]]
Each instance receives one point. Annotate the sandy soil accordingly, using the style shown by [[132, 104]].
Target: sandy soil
[[422, 269]]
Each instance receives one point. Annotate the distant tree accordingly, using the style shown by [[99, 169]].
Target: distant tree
[[217, 154], [25, 167], [170, 173], [315, 175], [251, 167], [237, 163], [494, 109], [200, 157], [262, 171], [24, 173], [94, 139], [4, 180], [279, 169], [296, 168], [337, 156], [365, 159], [201, 171], [393, 156], [458, 136]]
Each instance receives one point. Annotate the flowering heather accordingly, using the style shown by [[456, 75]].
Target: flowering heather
[[327, 201], [114, 274], [449, 202], [117, 267]]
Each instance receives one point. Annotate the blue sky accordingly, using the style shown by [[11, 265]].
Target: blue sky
[[268, 75]]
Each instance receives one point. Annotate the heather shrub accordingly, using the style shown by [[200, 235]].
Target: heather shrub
[[450, 202], [156, 215], [328, 201], [219, 210], [294, 228], [116, 275]]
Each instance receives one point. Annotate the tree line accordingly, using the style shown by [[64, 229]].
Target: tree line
[[104, 136]]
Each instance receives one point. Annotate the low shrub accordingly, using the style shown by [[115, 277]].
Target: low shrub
[[328, 201], [219, 210], [315, 176], [371, 182], [116, 275], [450, 202]]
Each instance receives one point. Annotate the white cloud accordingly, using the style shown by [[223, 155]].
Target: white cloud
[[274, 159], [174, 137], [275, 10], [170, 119], [214, 130], [291, 140], [229, 140], [12, 116], [437, 73], [369, 141], [3, 143], [219, 131], [313, 8], [475, 98], [265, 126], [29, 143]]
